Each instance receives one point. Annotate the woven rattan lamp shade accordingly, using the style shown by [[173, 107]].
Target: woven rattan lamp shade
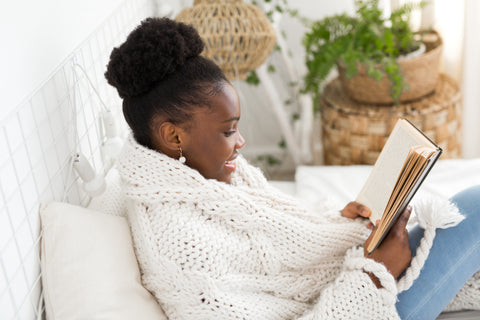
[[237, 36]]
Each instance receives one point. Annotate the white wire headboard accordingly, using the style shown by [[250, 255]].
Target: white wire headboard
[[37, 141]]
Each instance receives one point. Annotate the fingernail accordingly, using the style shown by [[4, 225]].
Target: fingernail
[[366, 213]]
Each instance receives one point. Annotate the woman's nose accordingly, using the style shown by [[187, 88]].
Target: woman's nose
[[240, 141]]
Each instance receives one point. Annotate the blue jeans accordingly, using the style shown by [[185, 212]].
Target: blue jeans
[[453, 259]]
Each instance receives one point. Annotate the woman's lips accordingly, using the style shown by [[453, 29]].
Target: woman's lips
[[231, 165]]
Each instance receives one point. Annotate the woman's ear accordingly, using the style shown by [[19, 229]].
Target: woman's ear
[[168, 136]]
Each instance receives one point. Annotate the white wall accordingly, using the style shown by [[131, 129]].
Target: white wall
[[471, 81], [37, 35]]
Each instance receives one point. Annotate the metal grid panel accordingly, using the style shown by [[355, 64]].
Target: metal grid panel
[[37, 142]]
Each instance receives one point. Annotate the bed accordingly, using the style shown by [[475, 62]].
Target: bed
[[342, 184], [105, 240], [48, 219]]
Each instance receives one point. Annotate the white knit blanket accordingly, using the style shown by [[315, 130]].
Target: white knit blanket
[[211, 250]]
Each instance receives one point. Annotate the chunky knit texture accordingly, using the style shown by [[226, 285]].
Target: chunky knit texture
[[210, 250]]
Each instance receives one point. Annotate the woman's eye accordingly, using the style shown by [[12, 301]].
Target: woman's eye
[[229, 133]]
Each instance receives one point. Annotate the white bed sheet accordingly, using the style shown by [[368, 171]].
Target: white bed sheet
[[344, 182]]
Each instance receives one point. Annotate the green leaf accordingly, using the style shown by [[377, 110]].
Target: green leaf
[[351, 70], [366, 37], [293, 13], [252, 78], [273, 161], [375, 73]]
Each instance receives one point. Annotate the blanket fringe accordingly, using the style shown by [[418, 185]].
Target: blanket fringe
[[432, 213]]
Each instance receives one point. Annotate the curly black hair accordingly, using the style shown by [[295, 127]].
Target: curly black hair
[[158, 70]]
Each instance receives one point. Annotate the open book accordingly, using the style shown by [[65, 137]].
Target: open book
[[403, 164]]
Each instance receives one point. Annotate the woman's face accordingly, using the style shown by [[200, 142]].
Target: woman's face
[[213, 138]]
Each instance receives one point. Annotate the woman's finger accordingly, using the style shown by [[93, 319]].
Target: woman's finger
[[401, 224], [362, 210]]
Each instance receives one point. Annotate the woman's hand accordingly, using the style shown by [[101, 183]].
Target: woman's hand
[[394, 252], [354, 209]]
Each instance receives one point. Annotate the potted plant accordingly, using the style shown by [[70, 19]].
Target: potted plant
[[367, 49]]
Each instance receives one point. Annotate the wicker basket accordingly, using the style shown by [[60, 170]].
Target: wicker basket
[[355, 134], [420, 73]]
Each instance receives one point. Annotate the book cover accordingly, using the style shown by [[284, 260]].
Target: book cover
[[402, 166]]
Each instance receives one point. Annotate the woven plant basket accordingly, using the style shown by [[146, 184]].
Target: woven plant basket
[[354, 133], [237, 36], [420, 74]]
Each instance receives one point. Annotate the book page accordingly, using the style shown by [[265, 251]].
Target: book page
[[415, 164], [413, 170], [407, 167], [381, 181]]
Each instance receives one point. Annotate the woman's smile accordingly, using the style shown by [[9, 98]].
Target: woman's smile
[[231, 164]]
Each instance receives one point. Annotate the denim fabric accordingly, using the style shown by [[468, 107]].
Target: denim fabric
[[453, 259]]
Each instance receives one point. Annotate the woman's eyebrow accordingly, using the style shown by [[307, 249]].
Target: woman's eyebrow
[[231, 119]]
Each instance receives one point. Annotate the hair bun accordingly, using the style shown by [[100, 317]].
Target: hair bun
[[151, 52]]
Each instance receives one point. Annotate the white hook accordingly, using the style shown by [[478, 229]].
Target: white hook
[[113, 144], [93, 184]]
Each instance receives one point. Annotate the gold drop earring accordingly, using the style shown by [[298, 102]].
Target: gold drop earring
[[181, 158]]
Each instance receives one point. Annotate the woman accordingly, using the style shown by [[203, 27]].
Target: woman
[[213, 239]]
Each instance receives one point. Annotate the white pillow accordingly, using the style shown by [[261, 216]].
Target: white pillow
[[89, 269]]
